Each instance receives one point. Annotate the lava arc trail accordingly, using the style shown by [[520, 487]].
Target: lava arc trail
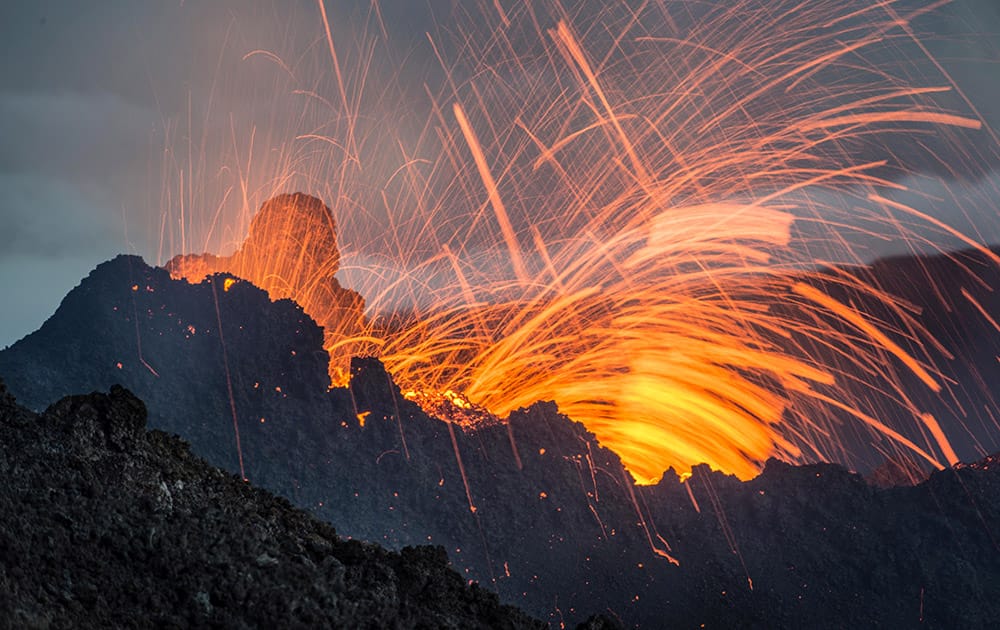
[[642, 214]]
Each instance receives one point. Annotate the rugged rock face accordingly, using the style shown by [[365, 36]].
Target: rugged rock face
[[105, 525], [534, 509], [291, 252]]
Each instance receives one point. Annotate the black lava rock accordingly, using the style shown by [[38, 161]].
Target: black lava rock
[[105, 525], [534, 509]]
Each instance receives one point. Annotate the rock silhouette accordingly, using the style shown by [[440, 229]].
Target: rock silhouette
[[105, 525], [291, 252], [534, 508]]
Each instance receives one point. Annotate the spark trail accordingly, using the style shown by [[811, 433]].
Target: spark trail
[[623, 212]]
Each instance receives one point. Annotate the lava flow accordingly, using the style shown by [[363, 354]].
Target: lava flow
[[624, 213]]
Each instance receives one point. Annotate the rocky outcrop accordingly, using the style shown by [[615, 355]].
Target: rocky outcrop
[[291, 252], [105, 525]]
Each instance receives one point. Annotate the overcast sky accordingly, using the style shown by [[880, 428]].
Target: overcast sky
[[94, 97]]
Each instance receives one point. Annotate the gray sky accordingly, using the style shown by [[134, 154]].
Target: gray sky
[[96, 99]]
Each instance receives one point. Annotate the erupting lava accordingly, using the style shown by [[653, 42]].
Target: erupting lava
[[622, 218]]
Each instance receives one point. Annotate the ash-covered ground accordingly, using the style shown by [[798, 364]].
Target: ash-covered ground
[[558, 528]]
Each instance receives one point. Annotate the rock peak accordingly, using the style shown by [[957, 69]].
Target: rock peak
[[291, 252]]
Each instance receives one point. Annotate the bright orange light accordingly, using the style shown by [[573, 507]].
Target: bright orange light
[[621, 212]]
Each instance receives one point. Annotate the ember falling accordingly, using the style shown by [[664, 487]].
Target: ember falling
[[635, 212]]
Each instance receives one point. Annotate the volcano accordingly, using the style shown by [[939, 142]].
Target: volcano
[[534, 508]]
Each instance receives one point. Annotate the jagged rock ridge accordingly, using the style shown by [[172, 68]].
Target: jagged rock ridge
[[291, 252], [105, 525], [558, 526]]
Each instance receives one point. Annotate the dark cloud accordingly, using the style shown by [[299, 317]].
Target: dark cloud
[[55, 219], [70, 133]]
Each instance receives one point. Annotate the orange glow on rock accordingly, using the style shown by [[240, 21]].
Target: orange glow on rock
[[291, 252], [610, 215]]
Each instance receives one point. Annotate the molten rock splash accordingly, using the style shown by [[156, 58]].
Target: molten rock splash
[[291, 252]]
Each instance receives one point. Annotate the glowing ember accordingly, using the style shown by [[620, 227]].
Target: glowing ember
[[621, 213], [452, 407]]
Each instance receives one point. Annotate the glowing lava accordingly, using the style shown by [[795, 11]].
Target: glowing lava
[[624, 213]]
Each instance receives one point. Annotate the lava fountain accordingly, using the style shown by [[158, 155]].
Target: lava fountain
[[623, 212]]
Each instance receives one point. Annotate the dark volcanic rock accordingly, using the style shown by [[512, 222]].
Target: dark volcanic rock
[[534, 508], [291, 252], [105, 525]]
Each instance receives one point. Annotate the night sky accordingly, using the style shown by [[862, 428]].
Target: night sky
[[94, 97]]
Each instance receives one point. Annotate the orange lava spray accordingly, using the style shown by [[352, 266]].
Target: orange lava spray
[[629, 212]]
